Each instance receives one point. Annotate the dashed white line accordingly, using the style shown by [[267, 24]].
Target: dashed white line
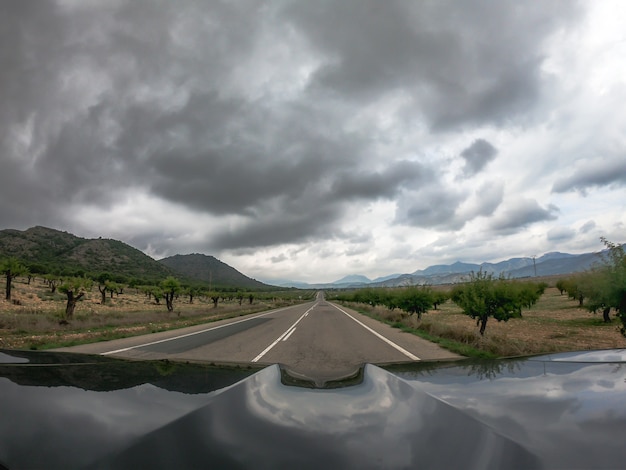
[[191, 334], [290, 333], [287, 332]]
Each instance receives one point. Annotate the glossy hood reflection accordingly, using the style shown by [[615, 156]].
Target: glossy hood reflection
[[74, 411], [381, 423], [568, 413]]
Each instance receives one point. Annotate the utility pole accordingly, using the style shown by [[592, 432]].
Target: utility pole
[[534, 265]]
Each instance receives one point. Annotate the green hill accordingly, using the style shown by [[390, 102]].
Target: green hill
[[46, 250], [210, 270]]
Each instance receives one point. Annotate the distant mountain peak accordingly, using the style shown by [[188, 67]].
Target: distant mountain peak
[[352, 279]]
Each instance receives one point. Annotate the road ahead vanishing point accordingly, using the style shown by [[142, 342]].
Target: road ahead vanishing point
[[318, 339]]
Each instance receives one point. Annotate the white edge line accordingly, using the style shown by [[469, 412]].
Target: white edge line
[[106, 353], [264, 352], [388, 341]]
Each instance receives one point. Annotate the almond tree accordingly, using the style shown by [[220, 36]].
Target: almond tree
[[11, 267], [610, 283], [171, 287], [483, 297], [416, 300], [75, 289]]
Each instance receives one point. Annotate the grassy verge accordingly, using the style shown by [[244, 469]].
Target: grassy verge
[[554, 324], [443, 340]]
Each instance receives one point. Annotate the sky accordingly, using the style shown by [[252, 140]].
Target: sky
[[307, 141]]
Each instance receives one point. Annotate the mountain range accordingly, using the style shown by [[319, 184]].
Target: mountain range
[[550, 264], [45, 250]]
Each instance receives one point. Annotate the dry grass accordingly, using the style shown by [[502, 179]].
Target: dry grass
[[33, 319], [554, 324]]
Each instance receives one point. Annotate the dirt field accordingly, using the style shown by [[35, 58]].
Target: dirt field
[[33, 319]]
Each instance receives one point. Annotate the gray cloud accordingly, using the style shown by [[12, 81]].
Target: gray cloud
[[385, 184], [558, 234], [279, 259], [444, 208], [433, 207], [489, 197], [477, 156], [276, 229], [594, 173], [522, 213], [261, 123], [588, 226], [461, 72]]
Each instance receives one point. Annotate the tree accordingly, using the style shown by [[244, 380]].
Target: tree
[[597, 292], [156, 293], [11, 267], [215, 298], [192, 292], [416, 300], [75, 289], [103, 292], [103, 281], [52, 281], [171, 287], [483, 297], [439, 297], [575, 288], [608, 290]]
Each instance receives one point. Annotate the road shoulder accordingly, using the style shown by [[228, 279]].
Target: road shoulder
[[424, 349]]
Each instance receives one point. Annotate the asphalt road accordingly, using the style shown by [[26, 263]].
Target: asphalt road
[[318, 340]]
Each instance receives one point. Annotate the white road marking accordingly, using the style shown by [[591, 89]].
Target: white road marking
[[191, 334], [388, 341], [287, 332], [290, 333]]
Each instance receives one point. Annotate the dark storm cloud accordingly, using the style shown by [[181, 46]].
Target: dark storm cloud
[[522, 213], [594, 173], [385, 184], [482, 63], [199, 147], [174, 99], [275, 230], [477, 155]]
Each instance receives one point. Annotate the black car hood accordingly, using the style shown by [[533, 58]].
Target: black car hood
[[75, 411]]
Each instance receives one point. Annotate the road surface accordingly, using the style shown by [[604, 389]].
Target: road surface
[[319, 340]]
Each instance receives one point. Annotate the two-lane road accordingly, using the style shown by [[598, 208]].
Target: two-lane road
[[317, 339]]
